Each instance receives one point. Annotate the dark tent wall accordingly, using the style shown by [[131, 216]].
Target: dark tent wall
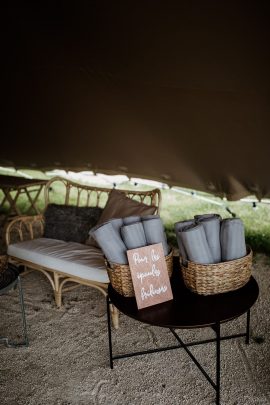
[[177, 92]]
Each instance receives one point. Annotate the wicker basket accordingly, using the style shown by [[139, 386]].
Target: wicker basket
[[208, 279], [120, 276]]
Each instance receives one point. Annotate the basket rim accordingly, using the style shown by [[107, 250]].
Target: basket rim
[[249, 254], [119, 264]]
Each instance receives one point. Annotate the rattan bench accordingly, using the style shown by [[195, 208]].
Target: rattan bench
[[31, 228]]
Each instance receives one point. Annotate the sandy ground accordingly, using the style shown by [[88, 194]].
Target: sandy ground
[[67, 361]]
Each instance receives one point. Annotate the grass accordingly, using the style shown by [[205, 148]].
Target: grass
[[176, 207]]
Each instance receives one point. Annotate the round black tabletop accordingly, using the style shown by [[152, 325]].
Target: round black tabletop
[[187, 309]]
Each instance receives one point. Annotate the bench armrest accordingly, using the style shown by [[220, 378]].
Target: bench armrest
[[24, 228]]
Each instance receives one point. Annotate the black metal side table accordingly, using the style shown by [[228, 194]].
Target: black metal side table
[[188, 311], [16, 283]]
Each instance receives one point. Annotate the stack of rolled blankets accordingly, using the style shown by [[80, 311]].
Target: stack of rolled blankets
[[118, 235], [208, 239]]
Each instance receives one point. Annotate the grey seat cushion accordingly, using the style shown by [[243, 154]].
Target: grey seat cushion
[[74, 259], [70, 223]]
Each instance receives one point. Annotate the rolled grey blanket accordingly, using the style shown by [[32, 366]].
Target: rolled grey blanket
[[178, 227], [211, 224], [131, 220], [133, 235], [232, 238], [116, 223], [111, 243], [195, 243], [154, 233]]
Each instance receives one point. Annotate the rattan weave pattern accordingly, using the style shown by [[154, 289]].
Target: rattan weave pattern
[[208, 279], [120, 276]]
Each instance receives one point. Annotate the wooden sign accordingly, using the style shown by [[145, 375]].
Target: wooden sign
[[149, 275]]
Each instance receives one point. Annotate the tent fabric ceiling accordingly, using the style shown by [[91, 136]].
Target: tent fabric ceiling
[[171, 92]]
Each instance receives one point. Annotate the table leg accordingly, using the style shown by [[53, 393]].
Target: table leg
[[23, 313], [248, 324], [4, 199], [109, 331], [217, 330], [12, 200], [5, 340]]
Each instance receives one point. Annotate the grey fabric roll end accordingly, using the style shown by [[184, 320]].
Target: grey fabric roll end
[[178, 227], [206, 217], [133, 235], [154, 233], [111, 243], [211, 224], [131, 220], [116, 223], [232, 237], [147, 217], [195, 243]]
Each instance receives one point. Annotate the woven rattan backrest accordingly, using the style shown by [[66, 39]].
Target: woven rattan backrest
[[62, 191]]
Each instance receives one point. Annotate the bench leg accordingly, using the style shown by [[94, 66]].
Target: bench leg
[[57, 291], [58, 299], [58, 296]]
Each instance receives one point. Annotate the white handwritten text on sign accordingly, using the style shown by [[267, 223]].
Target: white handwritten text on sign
[[149, 275]]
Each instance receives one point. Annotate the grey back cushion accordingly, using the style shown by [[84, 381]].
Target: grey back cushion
[[70, 223]]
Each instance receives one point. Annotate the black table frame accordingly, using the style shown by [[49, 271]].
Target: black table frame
[[25, 341], [181, 344]]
